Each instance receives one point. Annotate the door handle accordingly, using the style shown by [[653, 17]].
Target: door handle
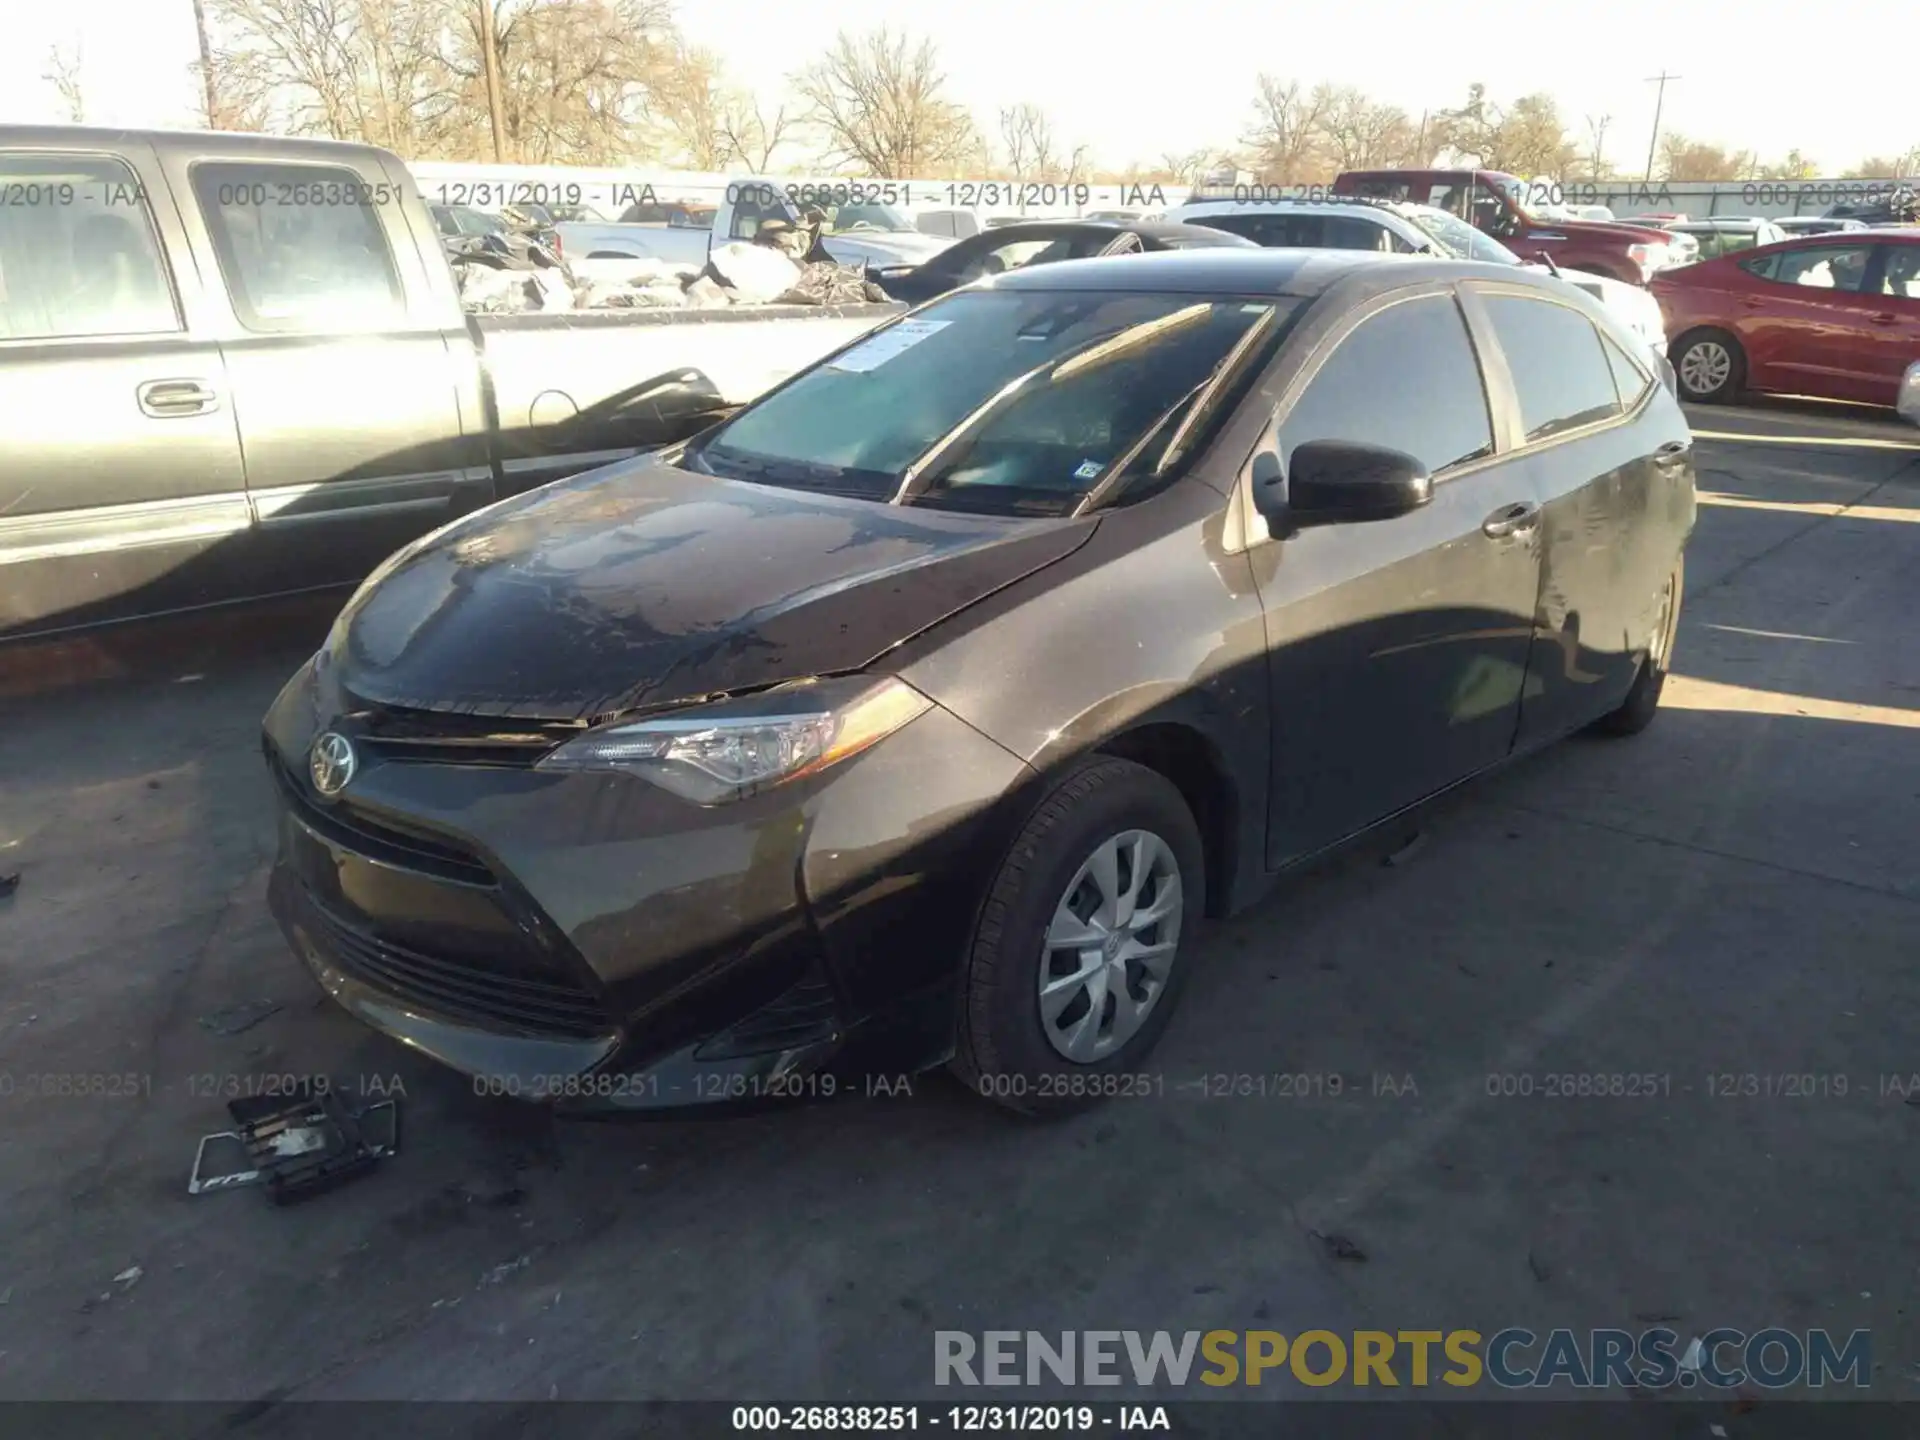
[[1519, 518], [169, 399], [1886, 317]]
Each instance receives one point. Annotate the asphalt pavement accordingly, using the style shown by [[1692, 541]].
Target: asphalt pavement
[[1733, 894]]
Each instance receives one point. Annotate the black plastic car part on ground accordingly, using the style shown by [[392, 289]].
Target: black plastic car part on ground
[[924, 710]]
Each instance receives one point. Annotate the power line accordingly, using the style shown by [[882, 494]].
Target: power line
[[1660, 99]]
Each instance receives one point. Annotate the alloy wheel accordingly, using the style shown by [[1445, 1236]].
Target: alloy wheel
[[1110, 946], [1705, 367]]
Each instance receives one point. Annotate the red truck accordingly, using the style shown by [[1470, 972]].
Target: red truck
[[1524, 219]]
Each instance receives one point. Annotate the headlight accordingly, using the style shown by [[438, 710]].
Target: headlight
[[1649, 258], [732, 748]]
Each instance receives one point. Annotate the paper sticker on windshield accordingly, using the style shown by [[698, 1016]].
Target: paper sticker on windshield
[[1089, 470], [871, 354]]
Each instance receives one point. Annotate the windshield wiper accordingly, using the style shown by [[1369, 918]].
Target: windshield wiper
[[1195, 402], [932, 462]]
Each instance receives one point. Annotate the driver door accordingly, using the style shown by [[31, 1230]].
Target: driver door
[[1397, 649]]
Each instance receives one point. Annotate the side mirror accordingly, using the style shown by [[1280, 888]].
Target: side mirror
[[1334, 481]]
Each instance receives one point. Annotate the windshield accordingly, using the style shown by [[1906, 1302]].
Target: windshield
[[1009, 402], [842, 218], [1459, 239]]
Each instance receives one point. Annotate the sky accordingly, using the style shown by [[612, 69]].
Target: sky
[[1134, 82]]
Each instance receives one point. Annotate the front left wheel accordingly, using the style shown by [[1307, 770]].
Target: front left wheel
[[1076, 961]]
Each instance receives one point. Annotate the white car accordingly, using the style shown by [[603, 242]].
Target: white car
[[1360, 224]]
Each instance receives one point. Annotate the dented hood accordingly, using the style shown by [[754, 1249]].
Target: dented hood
[[645, 585]]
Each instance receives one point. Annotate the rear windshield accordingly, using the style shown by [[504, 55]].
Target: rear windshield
[[1009, 402]]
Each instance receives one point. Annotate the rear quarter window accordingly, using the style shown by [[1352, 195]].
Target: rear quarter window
[[301, 246], [1558, 361]]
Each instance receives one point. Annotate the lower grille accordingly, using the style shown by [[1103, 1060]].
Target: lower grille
[[551, 1006]]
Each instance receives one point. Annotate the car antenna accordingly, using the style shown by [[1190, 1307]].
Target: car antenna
[[1548, 261]]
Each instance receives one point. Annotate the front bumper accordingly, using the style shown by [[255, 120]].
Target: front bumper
[[591, 941]]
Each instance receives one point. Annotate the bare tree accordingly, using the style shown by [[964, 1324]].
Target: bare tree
[[752, 136], [1027, 136], [1526, 138], [1684, 159], [879, 100], [1286, 132], [349, 69], [1363, 133], [575, 75], [1595, 161], [1188, 168], [1794, 167], [63, 73], [690, 105]]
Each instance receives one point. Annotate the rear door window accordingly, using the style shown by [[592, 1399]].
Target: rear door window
[[78, 252], [1406, 378], [1276, 232], [1344, 233], [1901, 275], [1817, 267], [1559, 364], [301, 246]]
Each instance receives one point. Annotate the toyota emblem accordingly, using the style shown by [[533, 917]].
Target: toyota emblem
[[331, 763]]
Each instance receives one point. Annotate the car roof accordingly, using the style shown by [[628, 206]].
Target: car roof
[[1254, 271], [1154, 229]]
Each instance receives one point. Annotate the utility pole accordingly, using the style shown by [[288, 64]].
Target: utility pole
[[206, 63], [492, 62], [1659, 100]]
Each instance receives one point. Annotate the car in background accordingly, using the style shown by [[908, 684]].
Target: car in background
[[1401, 228], [1897, 206], [1834, 316], [1499, 204], [1042, 242], [921, 712], [1816, 225], [1593, 212], [1722, 235], [453, 221]]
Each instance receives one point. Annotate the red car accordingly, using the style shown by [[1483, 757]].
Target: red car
[[1522, 218], [1835, 316]]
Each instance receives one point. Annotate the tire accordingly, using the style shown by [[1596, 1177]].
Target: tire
[[1636, 712], [1004, 1052], [1720, 367]]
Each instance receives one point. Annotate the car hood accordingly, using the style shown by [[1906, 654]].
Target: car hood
[[884, 247], [1623, 235], [643, 585]]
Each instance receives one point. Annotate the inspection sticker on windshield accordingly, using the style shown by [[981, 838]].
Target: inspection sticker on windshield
[[871, 354], [1089, 470]]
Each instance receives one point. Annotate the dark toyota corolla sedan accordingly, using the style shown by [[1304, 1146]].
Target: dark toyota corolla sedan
[[920, 712]]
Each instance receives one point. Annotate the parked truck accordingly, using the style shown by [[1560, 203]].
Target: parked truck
[[237, 365], [1503, 206]]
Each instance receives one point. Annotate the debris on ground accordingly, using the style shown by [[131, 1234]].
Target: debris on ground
[[1407, 851], [235, 1019], [300, 1144], [501, 1272], [1339, 1247], [754, 273], [9, 883], [128, 1278]]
